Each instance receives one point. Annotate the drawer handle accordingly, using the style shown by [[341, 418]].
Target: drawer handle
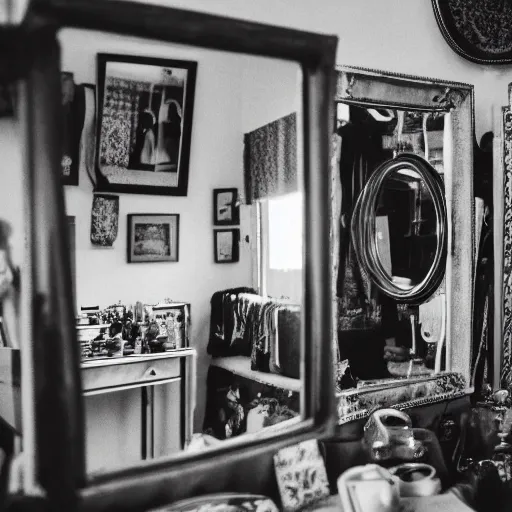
[[150, 372]]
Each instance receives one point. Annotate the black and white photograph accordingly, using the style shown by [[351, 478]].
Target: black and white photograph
[[226, 245], [144, 124], [226, 210], [153, 237], [258, 256]]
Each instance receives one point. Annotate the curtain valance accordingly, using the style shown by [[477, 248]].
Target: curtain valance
[[270, 159]]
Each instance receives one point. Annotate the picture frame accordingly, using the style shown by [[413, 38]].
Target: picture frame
[[226, 245], [153, 237], [226, 210], [144, 124]]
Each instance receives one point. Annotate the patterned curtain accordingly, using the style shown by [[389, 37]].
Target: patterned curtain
[[270, 159], [120, 120]]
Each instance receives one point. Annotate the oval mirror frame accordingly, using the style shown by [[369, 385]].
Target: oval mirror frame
[[364, 233]]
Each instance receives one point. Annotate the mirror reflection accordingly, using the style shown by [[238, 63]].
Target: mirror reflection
[[188, 293], [398, 237], [406, 228]]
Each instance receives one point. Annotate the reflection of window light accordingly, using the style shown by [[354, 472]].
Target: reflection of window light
[[285, 232]]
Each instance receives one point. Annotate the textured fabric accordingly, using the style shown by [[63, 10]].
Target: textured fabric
[[270, 159], [301, 475], [104, 219], [120, 120], [221, 322], [484, 23], [264, 328]]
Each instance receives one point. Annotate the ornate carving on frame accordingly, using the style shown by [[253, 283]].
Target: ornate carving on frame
[[450, 99], [378, 89], [371, 87], [506, 369]]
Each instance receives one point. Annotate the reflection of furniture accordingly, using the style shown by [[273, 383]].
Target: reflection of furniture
[[138, 407], [173, 318], [230, 378]]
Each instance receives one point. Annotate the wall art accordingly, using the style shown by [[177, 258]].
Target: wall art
[[226, 209], [144, 125], [478, 30], [226, 245], [104, 219], [153, 237]]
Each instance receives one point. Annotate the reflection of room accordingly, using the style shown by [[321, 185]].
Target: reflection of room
[[154, 99], [189, 327], [233, 97], [382, 336]]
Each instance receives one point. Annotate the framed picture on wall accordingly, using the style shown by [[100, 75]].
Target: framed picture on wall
[[153, 237], [226, 210], [226, 245], [144, 124]]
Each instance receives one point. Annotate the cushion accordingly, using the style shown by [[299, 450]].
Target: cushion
[[301, 475]]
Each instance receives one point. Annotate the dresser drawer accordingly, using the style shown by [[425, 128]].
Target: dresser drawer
[[129, 371]]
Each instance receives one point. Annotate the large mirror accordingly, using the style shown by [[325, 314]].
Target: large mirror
[[403, 245], [188, 330], [188, 308]]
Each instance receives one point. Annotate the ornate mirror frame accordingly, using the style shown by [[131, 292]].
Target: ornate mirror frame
[[53, 433], [364, 233], [372, 88]]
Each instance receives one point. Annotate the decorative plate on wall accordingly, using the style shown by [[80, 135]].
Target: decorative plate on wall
[[478, 30]]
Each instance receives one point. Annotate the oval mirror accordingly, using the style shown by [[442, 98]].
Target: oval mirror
[[399, 228]]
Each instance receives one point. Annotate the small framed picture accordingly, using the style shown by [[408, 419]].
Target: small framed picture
[[153, 237], [225, 207], [226, 242]]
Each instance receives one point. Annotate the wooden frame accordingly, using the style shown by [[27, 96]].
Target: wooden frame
[[226, 210], [153, 237], [226, 243], [54, 385], [160, 95]]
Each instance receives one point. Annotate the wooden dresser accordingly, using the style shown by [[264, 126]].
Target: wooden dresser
[[137, 407]]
